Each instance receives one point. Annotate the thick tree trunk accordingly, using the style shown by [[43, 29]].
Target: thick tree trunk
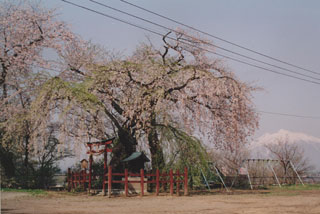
[[26, 161], [3, 81], [157, 158], [124, 146]]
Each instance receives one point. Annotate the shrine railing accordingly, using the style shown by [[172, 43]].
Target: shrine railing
[[176, 180]]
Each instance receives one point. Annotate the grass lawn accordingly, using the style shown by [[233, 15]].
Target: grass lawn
[[34, 192]]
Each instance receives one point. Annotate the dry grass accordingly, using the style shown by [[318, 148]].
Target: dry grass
[[275, 200]]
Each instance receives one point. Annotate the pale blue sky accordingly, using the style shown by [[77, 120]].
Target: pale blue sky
[[287, 29]]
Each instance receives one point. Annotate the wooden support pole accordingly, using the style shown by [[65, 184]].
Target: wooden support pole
[[104, 171], [249, 176], [69, 179], [84, 179], [109, 181], [294, 169], [186, 181], [72, 183], [142, 181], [126, 182], [78, 179], [164, 187], [90, 170], [75, 180], [157, 182], [171, 181], [178, 182]]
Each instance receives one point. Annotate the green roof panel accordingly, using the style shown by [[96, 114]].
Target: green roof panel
[[134, 156]]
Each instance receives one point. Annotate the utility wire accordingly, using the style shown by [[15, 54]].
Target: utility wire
[[204, 42], [289, 115], [259, 111], [200, 48], [219, 38]]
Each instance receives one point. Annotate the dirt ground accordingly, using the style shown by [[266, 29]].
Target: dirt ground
[[237, 202]]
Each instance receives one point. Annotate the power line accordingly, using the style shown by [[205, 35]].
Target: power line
[[289, 115], [219, 38], [207, 43], [259, 111], [200, 48]]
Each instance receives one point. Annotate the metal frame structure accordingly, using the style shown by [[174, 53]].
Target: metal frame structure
[[218, 173], [268, 161]]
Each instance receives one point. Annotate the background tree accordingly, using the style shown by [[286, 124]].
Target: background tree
[[135, 97], [285, 151], [229, 161], [27, 33]]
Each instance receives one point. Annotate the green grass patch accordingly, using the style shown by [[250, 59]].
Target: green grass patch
[[34, 192], [298, 187]]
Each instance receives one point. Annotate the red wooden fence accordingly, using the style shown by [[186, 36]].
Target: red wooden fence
[[83, 179]]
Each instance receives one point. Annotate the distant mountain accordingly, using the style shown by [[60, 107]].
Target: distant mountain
[[310, 145]]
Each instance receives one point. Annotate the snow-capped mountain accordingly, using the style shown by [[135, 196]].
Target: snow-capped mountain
[[310, 145]]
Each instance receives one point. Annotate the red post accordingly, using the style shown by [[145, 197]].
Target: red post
[[164, 185], [142, 181], [171, 182], [84, 179], [104, 170], [78, 179], [109, 181], [69, 179], [90, 170], [72, 183], [126, 182], [186, 181], [157, 182], [178, 182], [75, 180]]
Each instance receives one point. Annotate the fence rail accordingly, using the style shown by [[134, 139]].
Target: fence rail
[[174, 179]]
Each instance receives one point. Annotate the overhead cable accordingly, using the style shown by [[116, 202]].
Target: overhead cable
[[186, 43], [219, 38], [204, 42]]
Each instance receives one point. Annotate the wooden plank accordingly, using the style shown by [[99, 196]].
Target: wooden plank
[[109, 181], [126, 182], [157, 182], [171, 182], [186, 181], [134, 182], [117, 174], [105, 162], [84, 179], [178, 183], [119, 182], [142, 181], [69, 180], [90, 171]]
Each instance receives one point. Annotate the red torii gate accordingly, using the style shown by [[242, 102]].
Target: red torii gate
[[104, 150]]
